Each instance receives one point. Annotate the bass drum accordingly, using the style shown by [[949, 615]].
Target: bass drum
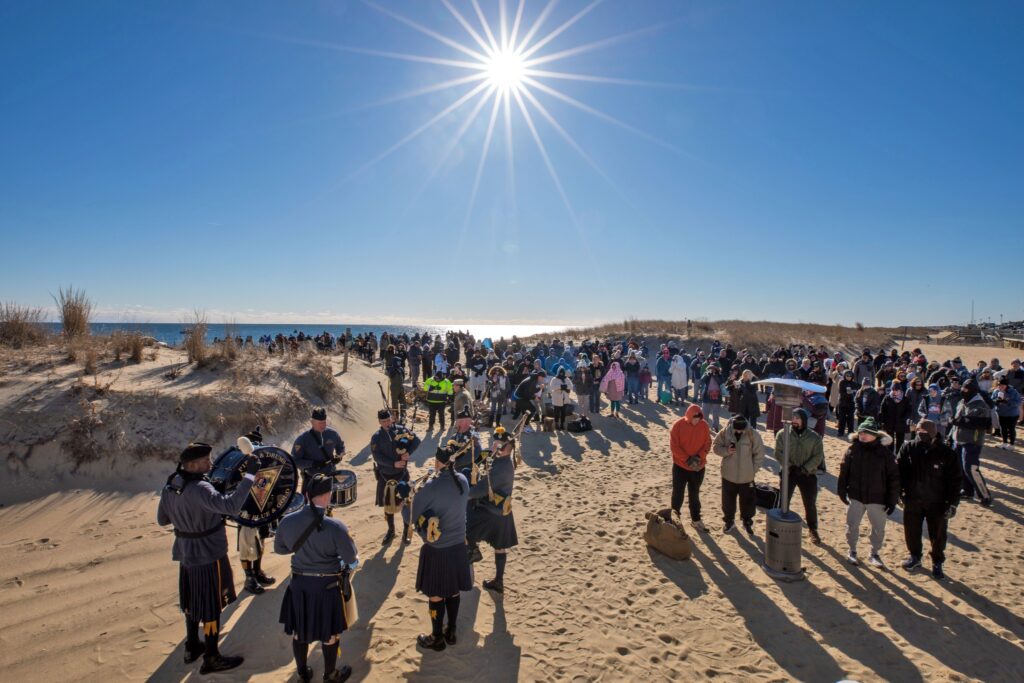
[[274, 491]]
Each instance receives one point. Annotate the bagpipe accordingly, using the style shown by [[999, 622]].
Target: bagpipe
[[274, 492], [406, 493]]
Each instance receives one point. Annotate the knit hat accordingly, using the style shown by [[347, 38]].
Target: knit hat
[[319, 413], [195, 451], [868, 426], [383, 414], [739, 423], [928, 427]]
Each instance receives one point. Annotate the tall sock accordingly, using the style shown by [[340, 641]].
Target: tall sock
[[451, 606], [499, 565], [301, 653], [191, 633], [211, 629], [436, 618], [331, 655], [391, 521]]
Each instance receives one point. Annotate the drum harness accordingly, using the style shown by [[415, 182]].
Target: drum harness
[[189, 478]]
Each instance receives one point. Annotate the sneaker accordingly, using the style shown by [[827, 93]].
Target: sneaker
[[937, 572], [986, 502], [814, 536], [912, 562], [851, 558], [699, 526], [729, 526], [749, 528], [875, 561]]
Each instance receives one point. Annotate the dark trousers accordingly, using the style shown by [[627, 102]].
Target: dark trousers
[[745, 492], [845, 417], [559, 417], [685, 481], [808, 485], [1008, 428], [523, 405], [595, 400], [436, 410], [897, 441], [913, 520]]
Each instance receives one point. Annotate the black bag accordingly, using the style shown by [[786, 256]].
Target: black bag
[[580, 425], [766, 496]]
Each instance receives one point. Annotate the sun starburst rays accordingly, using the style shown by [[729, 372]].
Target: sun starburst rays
[[504, 57]]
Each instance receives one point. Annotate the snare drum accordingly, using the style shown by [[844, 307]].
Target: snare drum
[[343, 491]]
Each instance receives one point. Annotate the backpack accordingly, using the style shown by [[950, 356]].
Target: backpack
[[582, 424]]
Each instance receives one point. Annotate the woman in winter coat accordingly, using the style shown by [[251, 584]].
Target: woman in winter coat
[[937, 407], [896, 416], [749, 404], [583, 380], [496, 391], [680, 379], [915, 394], [597, 369], [631, 367], [614, 385]]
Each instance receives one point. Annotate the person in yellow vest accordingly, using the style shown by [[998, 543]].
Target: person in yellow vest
[[439, 392]]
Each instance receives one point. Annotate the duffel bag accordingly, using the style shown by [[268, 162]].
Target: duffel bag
[[766, 496], [666, 534]]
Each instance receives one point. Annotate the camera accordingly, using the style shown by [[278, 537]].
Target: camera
[[565, 387]]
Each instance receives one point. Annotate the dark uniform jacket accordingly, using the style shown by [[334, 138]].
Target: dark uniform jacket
[[315, 452], [869, 474], [440, 498], [930, 476], [199, 507], [324, 550], [466, 459], [502, 479], [382, 447]]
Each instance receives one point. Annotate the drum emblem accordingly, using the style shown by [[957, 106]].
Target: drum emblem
[[263, 486]]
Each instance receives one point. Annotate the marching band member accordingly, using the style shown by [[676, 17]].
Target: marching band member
[[439, 513], [464, 433], [251, 541], [391, 447], [323, 554], [195, 509], [320, 449], [490, 518]]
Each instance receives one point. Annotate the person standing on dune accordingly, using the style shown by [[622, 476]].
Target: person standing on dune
[[690, 440]]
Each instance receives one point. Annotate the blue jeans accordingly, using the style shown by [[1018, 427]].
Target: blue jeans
[[595, 401], [970, 462], [633, 388], [713, 414], [664, 384]]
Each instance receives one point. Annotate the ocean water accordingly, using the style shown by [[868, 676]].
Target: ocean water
[[173, 333]]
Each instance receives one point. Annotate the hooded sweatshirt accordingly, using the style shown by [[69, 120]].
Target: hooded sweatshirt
[[690, 440], [680, 373]]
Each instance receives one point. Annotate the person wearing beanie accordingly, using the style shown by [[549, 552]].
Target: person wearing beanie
[[896, 416], [1007, 403], [937, 409], [970, 422], [663, 371], [560, 390], [929, 488], [806, 455], [845, 408], [323, 557], [711, 390], [742, 453], [869, 483], [319, 449], [391, 446], [196, 511], [690, 440], [438, 512], [489, 517]]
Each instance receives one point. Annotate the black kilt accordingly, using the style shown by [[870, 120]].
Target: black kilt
[[206, 589], [382, 481], [312, 608], [498, 531], [443, 572]]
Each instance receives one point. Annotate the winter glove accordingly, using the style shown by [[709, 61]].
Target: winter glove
[[693, 462], [250, 465], [889, 509], [951, 512]]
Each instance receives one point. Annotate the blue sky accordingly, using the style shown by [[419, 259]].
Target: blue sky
[[801, 161]]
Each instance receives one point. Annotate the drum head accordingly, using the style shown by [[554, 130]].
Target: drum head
[[274, 489]]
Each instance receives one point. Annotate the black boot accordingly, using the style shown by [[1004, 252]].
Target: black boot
[[431, 642], [213, 660], [406, 536], [251, 584], [262, 578], [338, 675], [474, 553], [496, 585], [193, 648]]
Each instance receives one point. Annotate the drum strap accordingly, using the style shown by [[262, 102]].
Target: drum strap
[[305, 534], [199, 534]]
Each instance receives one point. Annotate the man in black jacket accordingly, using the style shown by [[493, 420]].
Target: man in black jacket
[[930, 479], [869, 482]]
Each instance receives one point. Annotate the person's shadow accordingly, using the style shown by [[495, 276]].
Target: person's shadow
[[372, 585], [792, 647]]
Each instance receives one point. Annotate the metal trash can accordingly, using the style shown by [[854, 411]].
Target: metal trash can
[[782, 558]]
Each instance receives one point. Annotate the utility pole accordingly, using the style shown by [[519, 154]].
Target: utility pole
[[972, 311]]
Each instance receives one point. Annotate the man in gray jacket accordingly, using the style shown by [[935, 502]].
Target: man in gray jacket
[[742, 453]]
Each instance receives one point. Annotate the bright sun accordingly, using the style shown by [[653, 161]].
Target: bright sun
[[505, 70]]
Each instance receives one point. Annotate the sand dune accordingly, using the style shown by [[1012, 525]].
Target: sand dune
[[88, 591]]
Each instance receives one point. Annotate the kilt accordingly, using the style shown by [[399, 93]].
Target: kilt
[[312, 608], [443, 572], [206, 589], [498, 531], [382, 482]]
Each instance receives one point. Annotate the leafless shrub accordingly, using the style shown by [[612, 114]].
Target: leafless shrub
[[20, 325], [75, 309], [136, 344], [81, 441], [195, 340]]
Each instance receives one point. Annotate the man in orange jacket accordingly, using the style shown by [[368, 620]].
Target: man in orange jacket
[[691, 441]]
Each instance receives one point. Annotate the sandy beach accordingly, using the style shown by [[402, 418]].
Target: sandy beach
[[87, 584]]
